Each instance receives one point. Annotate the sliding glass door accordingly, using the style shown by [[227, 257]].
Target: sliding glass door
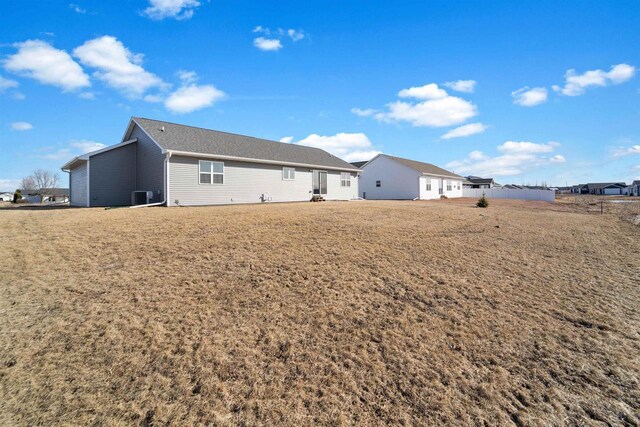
[[319, 182]]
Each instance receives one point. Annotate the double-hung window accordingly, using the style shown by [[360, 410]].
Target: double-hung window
[[211, 172], [448, 185], [288, 174], [345, 179], [428, 180]]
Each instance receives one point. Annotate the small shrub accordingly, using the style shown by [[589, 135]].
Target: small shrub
[[17, 196], [482, 202]]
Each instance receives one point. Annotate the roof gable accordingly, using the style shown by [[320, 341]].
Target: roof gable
[[188, 139], [424, 168]]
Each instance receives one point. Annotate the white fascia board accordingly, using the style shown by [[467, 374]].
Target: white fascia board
[[443, 176], [263, 161], [86, 156], [146, 133]]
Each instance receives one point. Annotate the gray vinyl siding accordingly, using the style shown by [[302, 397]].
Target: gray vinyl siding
[[245, 182], [113, 176], [78, 185], [149, 165]]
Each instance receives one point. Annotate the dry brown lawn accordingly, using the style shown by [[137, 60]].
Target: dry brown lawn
[[361, 313]]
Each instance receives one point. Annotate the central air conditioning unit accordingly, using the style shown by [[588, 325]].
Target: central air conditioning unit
[[141, 197]]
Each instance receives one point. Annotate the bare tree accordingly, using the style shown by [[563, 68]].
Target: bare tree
[[44, 181], [27, 183]]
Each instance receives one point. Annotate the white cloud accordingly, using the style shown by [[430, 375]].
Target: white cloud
[[626, 151], [466, 86], [87, 95], [428, 91], [7, 84], [187, 76], [21, 126], [267, 44], [295, 34], [86, 146], [576, 84], [193, 97], [363, 113], [530, 97], [153, 98], [272, 39], [286, 139], [434, 108], [76, 8], [514, 147], [516, 158], [176, 9], [75, 147], [9, 184], [348, 146], [465, 130], [117, 66], [39, 60]]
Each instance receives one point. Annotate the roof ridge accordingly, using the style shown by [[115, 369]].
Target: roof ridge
[[234, 134]]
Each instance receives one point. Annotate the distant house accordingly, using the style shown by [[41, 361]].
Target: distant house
[[605, 188], [477, 182], [53, 195], [177, 165], [634, 188], [393, 178], [6, 196]]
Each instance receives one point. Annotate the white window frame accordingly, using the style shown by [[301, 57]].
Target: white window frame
[[345, 179], [378, 183], [448, 184], [288, 174], [211, 173], [428, 186]]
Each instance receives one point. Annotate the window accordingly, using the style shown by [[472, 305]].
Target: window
[[448, 185], [345, 179], [428, 180], [211, 172], [378, 184], [288, 174]]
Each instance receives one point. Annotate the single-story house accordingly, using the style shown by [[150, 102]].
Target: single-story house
[[388, 177], [52, 195], [477, 182], [634, 188], [178, 165], [606, 188], [6, 196]]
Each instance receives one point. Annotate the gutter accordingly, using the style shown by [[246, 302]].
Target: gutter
[[166, 187], [252, 160]]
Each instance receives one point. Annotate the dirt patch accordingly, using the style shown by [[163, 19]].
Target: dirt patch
[[361, 313]]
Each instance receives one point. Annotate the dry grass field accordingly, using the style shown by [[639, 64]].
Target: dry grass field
[[360, 313]]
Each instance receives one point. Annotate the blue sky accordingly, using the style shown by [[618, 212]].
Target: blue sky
[[522, 91]]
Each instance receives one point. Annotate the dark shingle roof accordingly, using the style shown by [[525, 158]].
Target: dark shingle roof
[[359, 164], [426, 168], [178, 137], [595, 185], [480, 180]]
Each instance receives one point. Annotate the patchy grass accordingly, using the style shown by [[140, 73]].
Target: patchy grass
[[362, 313]]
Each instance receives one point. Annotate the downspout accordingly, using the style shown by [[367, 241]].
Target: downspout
[[166, 186]]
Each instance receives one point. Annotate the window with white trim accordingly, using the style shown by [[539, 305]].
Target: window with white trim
[[211, 172], [345, 179], [428, 181], [448, 185], [378, 183], [288, 174]]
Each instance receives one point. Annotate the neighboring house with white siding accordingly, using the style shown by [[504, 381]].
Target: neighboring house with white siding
[[180, 165], [393, 178]]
